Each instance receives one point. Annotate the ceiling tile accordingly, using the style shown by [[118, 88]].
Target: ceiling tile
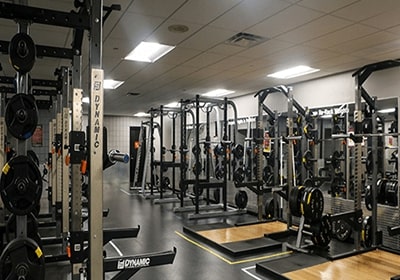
[[340, 36], [378, 49], [395, 30], [250, 12], [179, 55], [225, 49], [135, 27], [204, 59], [280, 23], [126, 69], [325, 6], [363, 42], [158, 8], [314, 29], [364, 9], [230, 62], [203, 12], [207, 38], [384, 20]]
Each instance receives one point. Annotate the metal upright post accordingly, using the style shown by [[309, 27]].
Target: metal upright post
[[260, 164], [162, 156], [96, 271], [183, 152], [225, 145], [290, 173], [374, 147], [151, 135], [64, 151], [59, 164], [358, 169], [197, 155], [76, 181]]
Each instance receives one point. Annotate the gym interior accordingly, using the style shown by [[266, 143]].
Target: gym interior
[[259, 139]]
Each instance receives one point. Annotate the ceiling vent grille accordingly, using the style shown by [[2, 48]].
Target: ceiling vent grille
[[245, 40]]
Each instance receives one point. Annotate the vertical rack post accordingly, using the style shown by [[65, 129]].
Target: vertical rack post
[[197, 154], [96, 270], [260, 163], [225, 145], [162, 156], [357, 157], [64, 152], [76, 189], [183, 152], [290, 173]]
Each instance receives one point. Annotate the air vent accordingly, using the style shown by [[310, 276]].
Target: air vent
[[245, 40]]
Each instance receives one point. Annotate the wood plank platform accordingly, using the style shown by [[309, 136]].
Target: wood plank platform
[[376, 264], [241, 233]]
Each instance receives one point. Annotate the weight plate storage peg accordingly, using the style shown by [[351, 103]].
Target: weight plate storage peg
[[22, 53], [21, 116], [219, 150], [22, 259], [312, 204], [241, 199], [21, 185]]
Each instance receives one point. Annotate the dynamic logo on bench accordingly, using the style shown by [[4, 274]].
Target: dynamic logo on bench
[[133, 263]]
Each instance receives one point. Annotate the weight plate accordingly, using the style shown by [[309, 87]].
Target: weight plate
[[219, 150], [270, 208], [312, 204], [21, 116], [21, 185], [238, 151], [22, 258], [268, 175], [307, 160], [219, 171], [322, 232], [197, 168], [22, 53], [368, 198], [238, 175], [366, 232], [295, 200], [391, 191], [165, 183], [241, 199], [342, 230], [381, 189]]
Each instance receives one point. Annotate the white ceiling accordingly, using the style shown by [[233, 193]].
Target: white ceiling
[[332, 35]]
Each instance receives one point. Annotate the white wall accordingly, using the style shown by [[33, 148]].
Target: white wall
[[330, 90]]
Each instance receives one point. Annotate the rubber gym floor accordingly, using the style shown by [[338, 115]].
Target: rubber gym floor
[[161, 229]]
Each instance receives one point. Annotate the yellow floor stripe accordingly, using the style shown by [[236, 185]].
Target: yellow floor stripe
[[225, 259]]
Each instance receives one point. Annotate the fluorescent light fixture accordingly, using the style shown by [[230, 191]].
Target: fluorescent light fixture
[[85, 100], [293, 72], [173, 105], [112, 84], [387, 111], [149, 52], [218, 92], [142, 114]]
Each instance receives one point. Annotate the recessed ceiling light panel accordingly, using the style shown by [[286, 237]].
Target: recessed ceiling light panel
[[149, 52], [218, 93], [293, 72], [112, 84]]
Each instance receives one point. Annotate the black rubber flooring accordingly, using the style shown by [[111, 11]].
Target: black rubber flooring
[[161, 229], [295, 261]]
